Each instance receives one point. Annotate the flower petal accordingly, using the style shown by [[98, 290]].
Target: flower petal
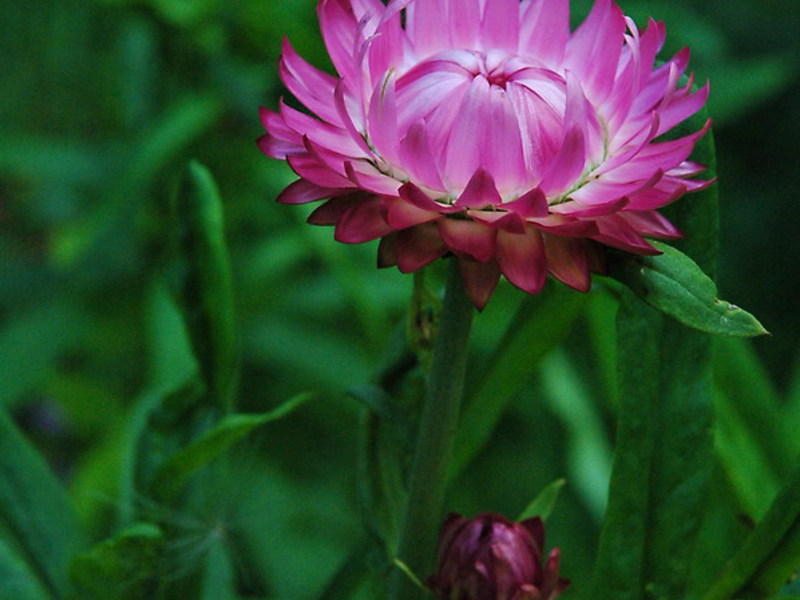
[[480, 279], [545, 30], [468, 237], [401, 214], [522, 260], [418, 246], [480, 191], [500, 25], [302, 191], [362, 222], [567, 261], [309, 85]]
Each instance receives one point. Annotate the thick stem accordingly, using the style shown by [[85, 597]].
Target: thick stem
[[437, 432]]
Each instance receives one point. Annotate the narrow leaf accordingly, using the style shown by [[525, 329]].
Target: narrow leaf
[[175, 473], [18, 581], [673, 283], [207, 292], [35, 512], [543, 504], [541, 322], [768, 556]]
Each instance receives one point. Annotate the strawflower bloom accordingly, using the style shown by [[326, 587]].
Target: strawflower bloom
[[487, 130], [492, 558]]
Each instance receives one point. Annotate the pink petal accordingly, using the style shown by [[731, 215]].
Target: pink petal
[[682, 108], [464, 21], [411, 193], [401, 214], [310, 168], [568, 164], [417, 159], [418, 246], [575, 208], [339, 25], [568, 226], [341, 106], [532, 204], [651, 224], [468, 237], [510, 221], [480, 191], [382, 121], [567, 261], [367, 177], [501, 143], [326, 135], [425, 26], [361, 222], [500, 25], [332, 210], [302, 191], [280, 139], [309, 85], [545, 30], [463, 155], [480, 280], [594, 49], [522, 260], [616, 232]]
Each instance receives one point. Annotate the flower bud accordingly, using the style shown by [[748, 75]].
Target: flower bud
[[492, 558]]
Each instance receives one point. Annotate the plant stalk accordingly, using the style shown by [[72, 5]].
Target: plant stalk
[[437, 432]]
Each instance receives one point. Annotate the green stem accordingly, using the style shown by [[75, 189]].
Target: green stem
[[437, 432]]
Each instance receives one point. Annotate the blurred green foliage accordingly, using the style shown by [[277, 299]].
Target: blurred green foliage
[[104, 101]]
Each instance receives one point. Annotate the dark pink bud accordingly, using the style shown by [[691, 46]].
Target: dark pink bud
[[492, 558]]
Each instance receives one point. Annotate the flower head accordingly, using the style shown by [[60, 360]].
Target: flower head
[[489, 131], [491, 558]]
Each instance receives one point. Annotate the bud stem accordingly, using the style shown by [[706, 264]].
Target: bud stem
[[437, 432]]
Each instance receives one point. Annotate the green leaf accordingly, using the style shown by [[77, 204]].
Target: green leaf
[[541, 322], [543, 504], [35, 513], [769, 555], [206, 291], [663, 461], [673, 283], [18, 581], [219, 576], [176, 471], [124, 567]]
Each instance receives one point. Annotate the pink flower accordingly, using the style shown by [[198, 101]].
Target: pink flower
[[491, 558], [485, 129]]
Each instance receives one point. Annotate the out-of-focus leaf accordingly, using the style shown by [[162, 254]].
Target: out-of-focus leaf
[[541, 323], [17, 581], [124, 567], [30, 344], [543, 504], [206, 294], [385, 407], [587, 447], [175, 472], [768, 556], [673, 283], [35, 511]]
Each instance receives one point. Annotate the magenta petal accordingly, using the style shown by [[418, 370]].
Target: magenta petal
[[575, 208], [468, 237], [310, 168], [341, 107], [331, 211], [532, 204], [650, 223], [401, 214], [500, 25], [418, 247], [425, 24], [522, 259], [382, 122], [328, 136], [302, 191], [387, 251], [545, 29], [417, 158], [464, 23], [568, 164], [362, 222], [480, 191], [311, 86], [480, 280], [593, 50], [368, 178], [463, 154], [567, 261], [411, 193], [510, 221], [617, 232]]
